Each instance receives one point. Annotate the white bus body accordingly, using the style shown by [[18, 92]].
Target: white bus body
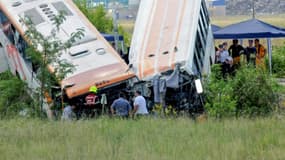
[[95, 61], [172, 42]]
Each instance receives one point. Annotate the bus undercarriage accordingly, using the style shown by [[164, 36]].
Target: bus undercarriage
[[173, 93]]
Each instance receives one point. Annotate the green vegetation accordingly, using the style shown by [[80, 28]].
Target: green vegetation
[[14, 97], [98, 16], [278, 61], [51, 49], [143, 139], [250, 92], [100, 19]]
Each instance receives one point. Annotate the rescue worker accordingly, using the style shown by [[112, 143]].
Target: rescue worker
[[91, 98], [260, 54]]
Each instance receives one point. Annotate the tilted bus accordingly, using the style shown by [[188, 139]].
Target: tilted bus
[[172, 46], [95, 61]]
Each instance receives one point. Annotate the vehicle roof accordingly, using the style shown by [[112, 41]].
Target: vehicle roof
[[96, 52], [164, 35]]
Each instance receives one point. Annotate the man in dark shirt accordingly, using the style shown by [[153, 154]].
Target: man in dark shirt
[[235, 51], [121, 107], [250, 53]]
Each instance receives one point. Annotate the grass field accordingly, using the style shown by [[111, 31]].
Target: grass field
[[143, 139]]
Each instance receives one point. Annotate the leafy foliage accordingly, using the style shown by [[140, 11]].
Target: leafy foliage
[[278, 61], [45, 53], [219, 95], [13, 96], [98, 16], [250, 92], [127, 36]]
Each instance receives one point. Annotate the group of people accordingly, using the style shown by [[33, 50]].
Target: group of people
[[121, 107], [230, 58]]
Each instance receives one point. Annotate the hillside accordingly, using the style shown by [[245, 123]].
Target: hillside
[[244, 7]]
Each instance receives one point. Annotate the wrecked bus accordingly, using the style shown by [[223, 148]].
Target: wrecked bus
[[171, 50], [96, 62]]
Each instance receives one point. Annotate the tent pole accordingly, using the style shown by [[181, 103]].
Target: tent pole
[[269, 47]]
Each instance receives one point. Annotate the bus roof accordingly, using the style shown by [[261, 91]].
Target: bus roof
[[92, 55]]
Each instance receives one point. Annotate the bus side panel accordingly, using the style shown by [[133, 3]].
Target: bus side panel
[[5, 59], [16, 63], [3, 56], [210, 53]]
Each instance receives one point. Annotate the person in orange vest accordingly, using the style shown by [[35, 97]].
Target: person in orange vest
[[260, 54], [91, 98]]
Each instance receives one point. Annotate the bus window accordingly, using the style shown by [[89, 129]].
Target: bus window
[[3, 18], [8, 30]]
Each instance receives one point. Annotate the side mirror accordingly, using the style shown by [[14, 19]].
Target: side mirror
[[198, 85]]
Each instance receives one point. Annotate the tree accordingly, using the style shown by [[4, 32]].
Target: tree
[[45, 52], [98, 16], [13, 97]]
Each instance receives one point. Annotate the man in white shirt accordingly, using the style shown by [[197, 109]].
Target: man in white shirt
[[68, 114], [224, 52], [139, 104]]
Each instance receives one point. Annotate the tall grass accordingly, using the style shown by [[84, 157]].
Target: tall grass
[[113, 139]]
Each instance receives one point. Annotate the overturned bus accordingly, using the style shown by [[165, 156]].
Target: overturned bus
[[172, 48], [96, 62]]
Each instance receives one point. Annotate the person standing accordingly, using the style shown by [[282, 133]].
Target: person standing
[[235, 51], [139, 105], [224, 53], [121, 107], [90, 99], [68, 114], [260, 54], [250, 53]]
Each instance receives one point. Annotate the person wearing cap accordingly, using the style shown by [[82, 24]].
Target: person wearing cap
[[260, 54], [91, 98]]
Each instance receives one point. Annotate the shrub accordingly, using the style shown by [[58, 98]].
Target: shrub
[[249, 93], [278, 61], [254, 91], [13, 97], [219, 95]]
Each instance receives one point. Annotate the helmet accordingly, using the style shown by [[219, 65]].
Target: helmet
[[93, 89]]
